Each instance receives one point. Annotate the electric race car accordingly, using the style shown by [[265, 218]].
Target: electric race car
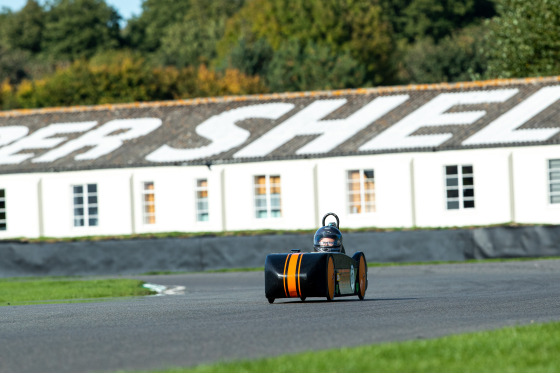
[[326, 272]]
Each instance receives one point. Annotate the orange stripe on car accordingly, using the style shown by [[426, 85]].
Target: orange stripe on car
[[286, 275], [292, 275]]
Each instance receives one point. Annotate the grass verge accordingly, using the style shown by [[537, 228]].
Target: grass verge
[[532, 348], [182, 234], [25, 291]]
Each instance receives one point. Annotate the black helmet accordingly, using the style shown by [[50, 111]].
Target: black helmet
[[328, 239]]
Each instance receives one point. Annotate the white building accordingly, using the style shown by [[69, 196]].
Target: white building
[[477, 153]]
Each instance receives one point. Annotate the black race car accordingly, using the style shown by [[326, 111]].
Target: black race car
[[326, 272]]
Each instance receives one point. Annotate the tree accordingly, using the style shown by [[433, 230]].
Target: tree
[[371, 41], [523, 39], [24, 29], [77, 29], [413, 20], [356, 27], [120, 77], [13, 64], [7, 97], [144, 33], [192, 41], [20, 39], [251, 58], [457, 57], [230, 82], [438, 40], [304, 67]]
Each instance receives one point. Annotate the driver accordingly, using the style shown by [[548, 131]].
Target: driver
[[328, 239]]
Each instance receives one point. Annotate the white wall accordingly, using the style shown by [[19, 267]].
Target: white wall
[[113, 203], [297, 194], [392, 189], [531, 188], [175, 198], [22, 202], [491, 188], [310, 188]]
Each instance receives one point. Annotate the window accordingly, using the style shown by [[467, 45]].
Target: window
[[85, 205], [459, 186], [554, 181], [202, 200], [149, 203], [2, 210], [267, 196], [361, 191]]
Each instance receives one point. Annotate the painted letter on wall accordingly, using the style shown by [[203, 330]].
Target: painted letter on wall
[[101, 140], [503, 129], [332, 132], [41, 139], [434, 113]]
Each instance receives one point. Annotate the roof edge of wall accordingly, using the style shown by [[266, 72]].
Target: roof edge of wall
[[285, 95]]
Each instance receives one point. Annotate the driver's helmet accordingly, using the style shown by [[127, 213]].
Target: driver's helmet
[[328, 239]]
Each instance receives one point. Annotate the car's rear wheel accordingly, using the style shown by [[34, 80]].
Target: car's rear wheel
[[270, 300], [330, 279], [362, 277]]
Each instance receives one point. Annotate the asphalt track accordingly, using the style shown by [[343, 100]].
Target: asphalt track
[[225, 316]]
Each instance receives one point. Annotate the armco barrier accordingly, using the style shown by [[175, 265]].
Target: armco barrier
[[136, 256]]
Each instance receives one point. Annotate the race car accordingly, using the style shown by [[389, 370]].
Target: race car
[[326, 272]]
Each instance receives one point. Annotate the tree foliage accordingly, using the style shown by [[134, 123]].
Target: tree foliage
[[126, 77], [68, 52], [144, 32], [525, 39], [304, 67], [13, 63], [24, 29], [414, 20], [357, 28], [455, 58], [192, 40], [250, 57], [79, 28]]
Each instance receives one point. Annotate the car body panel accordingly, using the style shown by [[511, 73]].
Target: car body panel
[[302, 275]]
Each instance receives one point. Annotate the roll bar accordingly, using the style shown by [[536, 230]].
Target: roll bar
[[335, 216]]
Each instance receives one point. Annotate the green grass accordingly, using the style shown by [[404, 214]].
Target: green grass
[[533, 348], [25, 291], [181, 234]]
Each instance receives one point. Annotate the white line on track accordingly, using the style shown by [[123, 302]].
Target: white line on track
[[164, 290]]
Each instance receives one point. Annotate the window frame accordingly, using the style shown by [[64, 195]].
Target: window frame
[[553, 181], [3, 221], [272, 211], [365, 206], [462, 199], [86, 205], [148, 215], [205, 200]]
